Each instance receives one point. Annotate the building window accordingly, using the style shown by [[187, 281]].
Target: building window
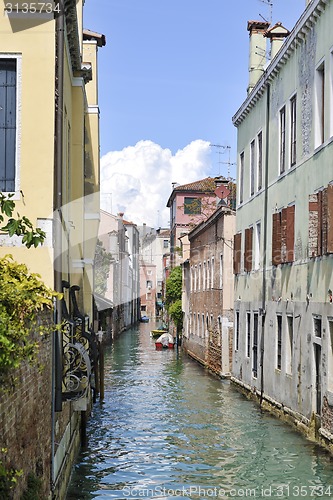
[[279, 343], [195, 278], [221, 271], [8, 91], [255, 345], [212, 266], [293, 131], [204, 276], [241, 177], [330, 354], [283, 234], [319, 121], [237, 252], [237, 332], [192, 206], [208, 275], [252, 166], [149, 284], [321, 222], [165, 243], [248, 249], [282, 140], [289, 344], [259, 142], [248, 334], [257, 246], [199, 278], [317, 326]]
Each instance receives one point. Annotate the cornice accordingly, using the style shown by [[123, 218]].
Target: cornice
[[297, 36]]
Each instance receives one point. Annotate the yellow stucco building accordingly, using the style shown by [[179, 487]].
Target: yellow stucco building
[[49, 162]]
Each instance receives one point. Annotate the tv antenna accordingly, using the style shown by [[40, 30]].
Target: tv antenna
[[225, 148], [270, 5]]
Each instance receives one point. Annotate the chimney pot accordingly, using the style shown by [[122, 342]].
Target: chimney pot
[[257, 58]]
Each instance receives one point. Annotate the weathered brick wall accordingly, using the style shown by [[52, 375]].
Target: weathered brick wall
[[25, 419], [214, 358], [327, 416]]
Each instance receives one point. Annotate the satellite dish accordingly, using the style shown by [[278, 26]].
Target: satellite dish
[[222, 192]]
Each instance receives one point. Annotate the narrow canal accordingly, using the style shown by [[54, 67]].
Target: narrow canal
[[169, 429]]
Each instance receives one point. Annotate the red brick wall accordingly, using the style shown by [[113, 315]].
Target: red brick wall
[[25, 419]]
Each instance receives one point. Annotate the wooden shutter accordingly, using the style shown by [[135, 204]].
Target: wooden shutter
[[324, 222], [276, 239], [313, 225], [290, 236], [330, 218], [283, 228], [237, 252], [248, 249]]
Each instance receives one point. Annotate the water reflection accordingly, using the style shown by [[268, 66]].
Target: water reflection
[[169, 429]]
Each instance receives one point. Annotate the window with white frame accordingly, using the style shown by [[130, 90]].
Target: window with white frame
[[237, 331], [259, 161], [330, 354], [248, 334], [279, 342], [204, 276], [8, 123], [252, 166], [199, 278], [257, 245], [241, 177], [208, 274], [282, 136], [212, 263], [255, 346], [293, 131], [289, 343], [221, 271], [331, 94], [319, 121]]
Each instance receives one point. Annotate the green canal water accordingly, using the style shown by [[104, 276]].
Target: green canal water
[[169, 429]]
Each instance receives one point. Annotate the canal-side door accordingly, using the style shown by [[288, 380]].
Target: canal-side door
[[317, 353], [317, 361]]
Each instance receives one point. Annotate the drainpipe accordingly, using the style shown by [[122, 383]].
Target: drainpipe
[[57, 230], [263, 304]]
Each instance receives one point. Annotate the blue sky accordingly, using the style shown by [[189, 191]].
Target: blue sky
[[171, 77]]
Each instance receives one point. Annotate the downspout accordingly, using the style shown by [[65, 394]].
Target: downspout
[[263, 304], [57, 230]]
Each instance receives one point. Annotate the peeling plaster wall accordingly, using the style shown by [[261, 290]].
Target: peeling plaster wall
[[298, 289]]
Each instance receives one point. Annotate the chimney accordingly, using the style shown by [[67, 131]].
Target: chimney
[[257, 60], [276, 35]]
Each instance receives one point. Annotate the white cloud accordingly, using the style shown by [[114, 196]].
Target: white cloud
[[138, 180]]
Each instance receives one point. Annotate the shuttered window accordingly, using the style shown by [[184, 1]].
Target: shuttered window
[[7, 124], [283, 236], [321, 222], [248, 249], [237, 253]]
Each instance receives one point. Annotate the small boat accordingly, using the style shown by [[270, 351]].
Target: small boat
[[165, 341], [144, 319], [158, 331]]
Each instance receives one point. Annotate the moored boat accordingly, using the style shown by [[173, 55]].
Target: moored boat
[[158, 331], [165, 341]]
